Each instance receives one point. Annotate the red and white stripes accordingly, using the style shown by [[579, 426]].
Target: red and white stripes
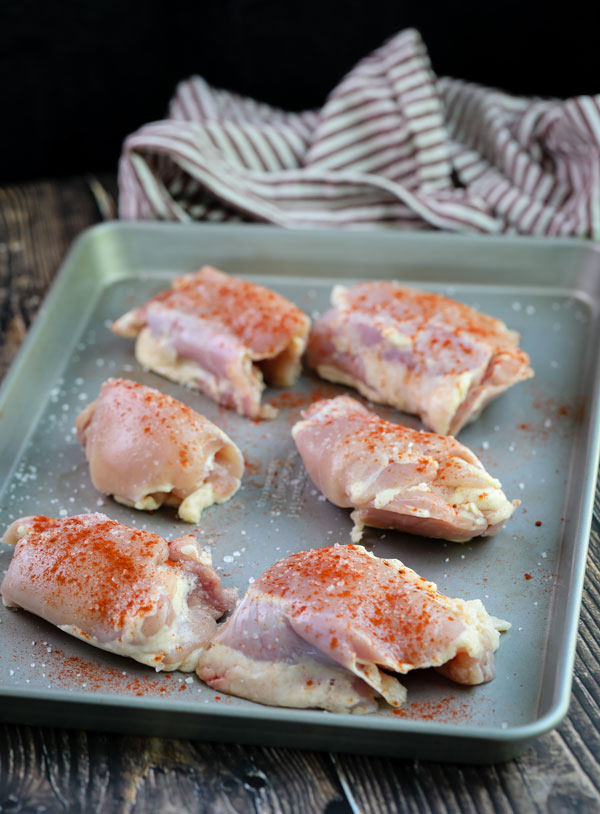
[[393, 146]]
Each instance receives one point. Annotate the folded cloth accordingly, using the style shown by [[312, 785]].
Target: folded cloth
[[393, 146]]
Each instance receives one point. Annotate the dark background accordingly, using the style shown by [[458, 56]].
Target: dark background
[[76, 77]]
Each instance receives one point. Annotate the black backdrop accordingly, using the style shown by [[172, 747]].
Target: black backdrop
[[76, 76]]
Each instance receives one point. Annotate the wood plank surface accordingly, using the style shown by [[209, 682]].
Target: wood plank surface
[[47, 770]]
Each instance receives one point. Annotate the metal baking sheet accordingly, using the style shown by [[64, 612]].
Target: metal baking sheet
[[540, 439]]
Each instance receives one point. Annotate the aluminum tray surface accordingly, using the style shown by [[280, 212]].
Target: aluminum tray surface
[[540, 439]]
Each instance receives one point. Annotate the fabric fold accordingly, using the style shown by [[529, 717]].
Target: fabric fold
[[393, 147]]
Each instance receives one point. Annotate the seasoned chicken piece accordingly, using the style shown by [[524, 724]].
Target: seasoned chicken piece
[[118, 588], [221, 335], [147, 448], [419, 352], [398, 478], [319, 629]]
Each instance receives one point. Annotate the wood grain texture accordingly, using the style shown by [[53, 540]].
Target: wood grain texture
[[48, 770], [38, 222]]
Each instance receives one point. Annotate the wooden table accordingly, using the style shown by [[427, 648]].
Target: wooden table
[[47, 770]]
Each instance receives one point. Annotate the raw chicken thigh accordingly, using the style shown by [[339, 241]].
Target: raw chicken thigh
[[147, 448], [118, 588], [398, 478], [319, 629], [419, 352], [221, 335]]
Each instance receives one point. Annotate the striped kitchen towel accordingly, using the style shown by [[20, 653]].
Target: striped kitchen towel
[[392, 147]]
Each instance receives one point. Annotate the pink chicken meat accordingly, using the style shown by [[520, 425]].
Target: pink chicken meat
[[325, 628], [221, 335], [398, 478], [148, 449], [118, 588], [419, 352]]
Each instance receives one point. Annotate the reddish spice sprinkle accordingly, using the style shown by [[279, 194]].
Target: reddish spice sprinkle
[[527, 576], [74, 672], [356, 592], [261, 319], [251, 465], [538, 522], [317, 393], [448, 709], [105, 568], [283, 400]]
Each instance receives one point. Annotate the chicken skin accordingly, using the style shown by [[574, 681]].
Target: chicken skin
[[326, 628], [419, 352], [221, 335], [148, 449], [118, 588], [398, 478]]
